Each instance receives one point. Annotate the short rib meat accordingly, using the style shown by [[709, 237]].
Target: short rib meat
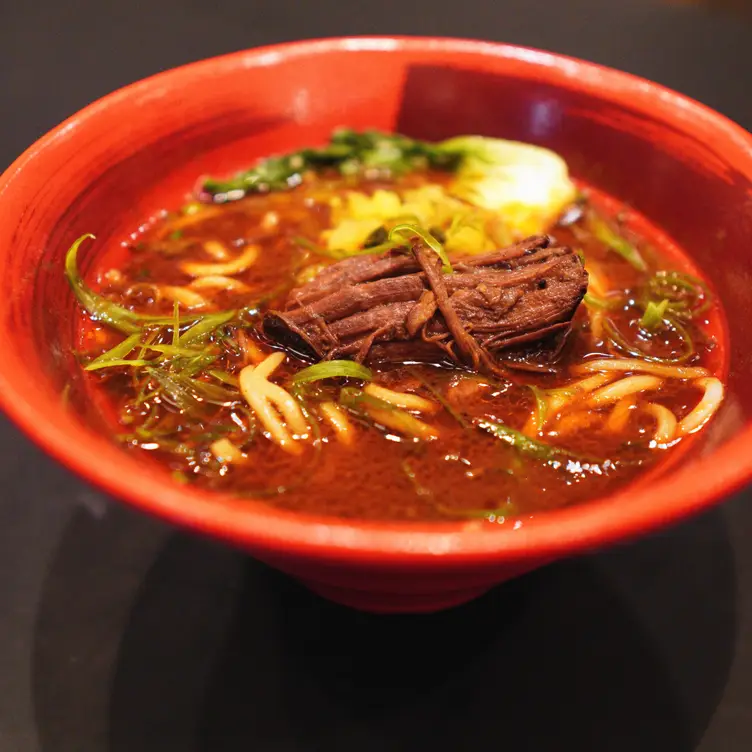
[[401, 307]]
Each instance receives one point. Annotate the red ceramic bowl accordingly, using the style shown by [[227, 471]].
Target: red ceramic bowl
[[141, 149]]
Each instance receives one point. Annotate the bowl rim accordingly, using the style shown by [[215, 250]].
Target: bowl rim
[[261, 527]]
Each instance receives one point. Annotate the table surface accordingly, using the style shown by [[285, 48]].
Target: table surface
[[119, 633]]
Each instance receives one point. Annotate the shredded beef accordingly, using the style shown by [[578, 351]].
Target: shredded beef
[[402, 307]]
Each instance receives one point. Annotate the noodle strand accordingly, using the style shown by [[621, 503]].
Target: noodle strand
[[405, 400], [633, 364], [623, 388], [244, 261], [665, 421], [706, 407], [337, 418]]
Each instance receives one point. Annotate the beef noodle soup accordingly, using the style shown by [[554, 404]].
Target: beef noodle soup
[[385, 328]]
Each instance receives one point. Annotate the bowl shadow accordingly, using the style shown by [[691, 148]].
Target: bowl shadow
[[151, 639]]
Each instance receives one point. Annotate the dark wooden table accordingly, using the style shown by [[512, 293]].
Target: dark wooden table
[[118, 633]]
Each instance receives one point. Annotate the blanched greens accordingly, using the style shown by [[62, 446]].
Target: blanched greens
[[528, 184], [350, 152]]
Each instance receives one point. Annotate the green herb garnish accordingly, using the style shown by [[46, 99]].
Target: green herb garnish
[[333, 369], [350, 152], [408, 231], [687, 296], [605, 304], [101, 309], [617, 243], [358, 402], [654, 315]]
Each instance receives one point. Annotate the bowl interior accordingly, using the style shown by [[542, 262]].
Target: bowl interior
[[141, 150]]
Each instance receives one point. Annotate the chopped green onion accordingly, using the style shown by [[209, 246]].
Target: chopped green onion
[[188, 394], [358, 401], [541, 407], [338, 254], [333, 369], [688, 296], [595, 301], [654, 314], [632, 349], [519, 441], [224, 377], [115, 354], [190, 366], [175, 352], [130, 363], [175, 323], [100, 308], [427, 238], [617, 244], [205, 325], [524, 444], [320, 250], [439, 397]]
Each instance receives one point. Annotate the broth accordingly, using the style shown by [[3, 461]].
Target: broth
[[496, 446]]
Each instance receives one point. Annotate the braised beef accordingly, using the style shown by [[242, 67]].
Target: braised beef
[[402, 307]]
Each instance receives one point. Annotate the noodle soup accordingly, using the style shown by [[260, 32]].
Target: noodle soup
[[390, 329]]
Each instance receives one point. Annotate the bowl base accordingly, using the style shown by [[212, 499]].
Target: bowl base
[[395, 603]]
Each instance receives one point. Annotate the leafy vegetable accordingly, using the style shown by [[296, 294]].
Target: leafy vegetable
[[528, 184], [348, 151], [617, 243], [332, 369]]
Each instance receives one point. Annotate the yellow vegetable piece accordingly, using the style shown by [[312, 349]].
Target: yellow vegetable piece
[[502, 190]]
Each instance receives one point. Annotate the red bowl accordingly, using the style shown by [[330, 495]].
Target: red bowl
[[140, 149]]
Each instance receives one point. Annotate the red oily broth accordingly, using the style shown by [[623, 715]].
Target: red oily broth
[[465, 473]]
